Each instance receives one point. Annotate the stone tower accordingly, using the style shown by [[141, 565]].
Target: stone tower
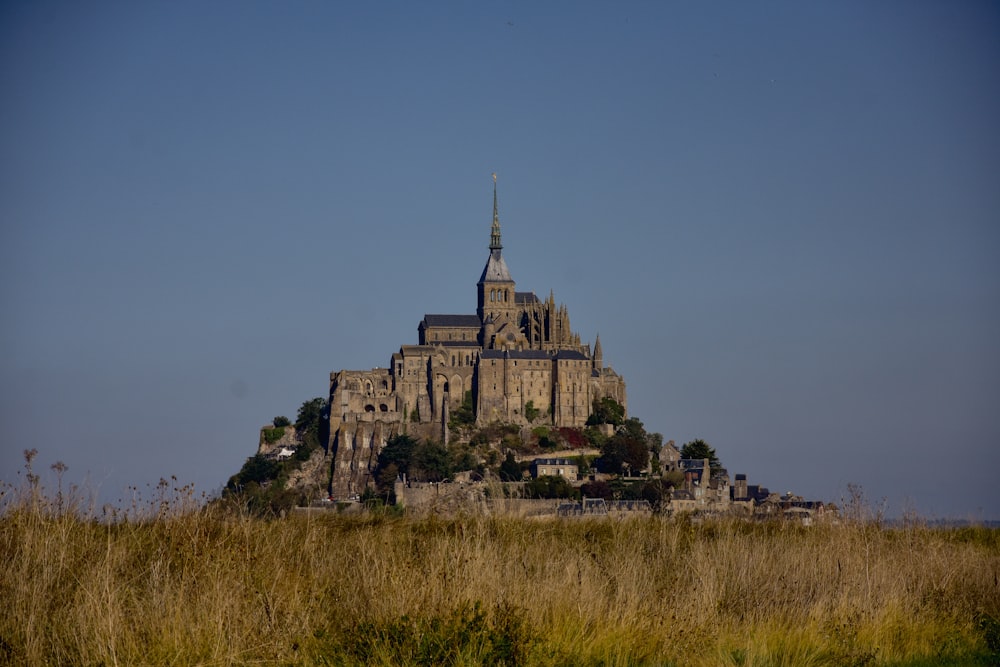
[[496, 289]]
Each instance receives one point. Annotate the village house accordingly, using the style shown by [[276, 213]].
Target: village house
[[565, 468]]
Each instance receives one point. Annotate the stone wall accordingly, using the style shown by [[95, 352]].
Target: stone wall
[[482, 498], [354, 448]]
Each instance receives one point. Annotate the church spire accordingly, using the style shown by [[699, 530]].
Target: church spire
[[495, 244], [495, 286]]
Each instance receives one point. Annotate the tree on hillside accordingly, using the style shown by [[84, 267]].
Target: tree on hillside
[[598, 489], [431, 462], [657, 493], [627, 449], [310, 414], [394, 459], [258, 469], [463, 415], [550, 486], [510, 471], [606, 411], [699, 449], [419, 460], [312, 426]]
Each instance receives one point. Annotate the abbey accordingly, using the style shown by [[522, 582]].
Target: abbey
[[516, 358]]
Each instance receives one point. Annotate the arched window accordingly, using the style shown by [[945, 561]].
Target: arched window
[[493, 294]]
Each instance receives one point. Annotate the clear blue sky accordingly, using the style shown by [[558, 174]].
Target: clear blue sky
[[782, 218]]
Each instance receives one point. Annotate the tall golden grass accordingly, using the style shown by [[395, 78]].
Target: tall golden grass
[[183, 585]]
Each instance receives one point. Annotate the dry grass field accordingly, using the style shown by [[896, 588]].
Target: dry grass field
[[176, 583]]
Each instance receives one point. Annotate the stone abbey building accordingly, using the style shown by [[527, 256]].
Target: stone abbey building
[[515, 358], [515, 355]]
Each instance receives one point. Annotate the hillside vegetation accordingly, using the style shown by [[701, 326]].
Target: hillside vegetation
[[175, 582], [269, 485]]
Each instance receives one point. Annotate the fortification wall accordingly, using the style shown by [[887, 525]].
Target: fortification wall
[[354, 448], [484, 498]]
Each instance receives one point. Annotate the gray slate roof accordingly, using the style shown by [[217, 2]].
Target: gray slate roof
[[496, 269], [470, 321], [525, 297], [571, 354], [515, 354]]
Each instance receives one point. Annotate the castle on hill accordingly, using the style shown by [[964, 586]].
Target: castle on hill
[[516, 358]]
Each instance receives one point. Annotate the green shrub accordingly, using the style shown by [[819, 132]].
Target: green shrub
[[305, 450], [550, 486], [273, 435], [463, 415], [466, 635], [258, 469], [606, 411]]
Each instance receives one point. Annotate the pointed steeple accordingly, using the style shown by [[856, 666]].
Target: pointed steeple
[[598, 358], [495, 245], [495, 287]]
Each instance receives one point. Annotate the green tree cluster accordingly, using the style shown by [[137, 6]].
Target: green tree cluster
[[510, 469], [699, 449], [627, 449], [550, 486], [312, 425], [606, 411], [597, 489], [463, 416], [260, 483], [259, 486], [419, 460]]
